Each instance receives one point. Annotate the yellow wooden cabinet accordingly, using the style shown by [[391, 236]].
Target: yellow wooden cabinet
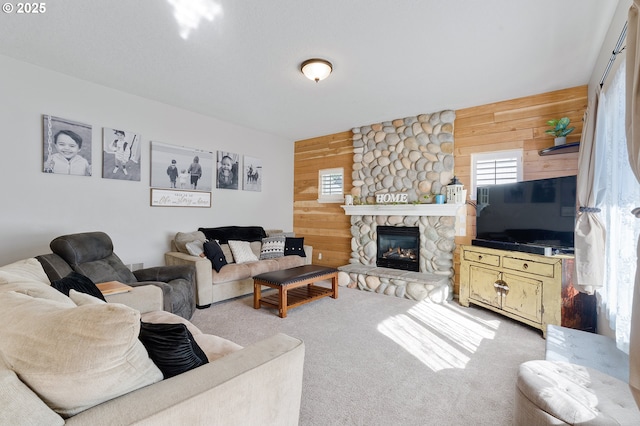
[[534, 289]]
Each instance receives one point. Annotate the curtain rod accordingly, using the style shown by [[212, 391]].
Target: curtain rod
[[615, 52]]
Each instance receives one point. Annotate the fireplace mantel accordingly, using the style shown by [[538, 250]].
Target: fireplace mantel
[[402, 209]]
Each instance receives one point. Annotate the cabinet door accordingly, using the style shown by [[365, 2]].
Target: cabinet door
[[481, 285], [524, 297]]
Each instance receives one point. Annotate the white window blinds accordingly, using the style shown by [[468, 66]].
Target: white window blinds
[[331, 185], [504, 170], [497, 167]]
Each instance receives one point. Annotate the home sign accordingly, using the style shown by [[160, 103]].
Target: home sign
[[392, 198]]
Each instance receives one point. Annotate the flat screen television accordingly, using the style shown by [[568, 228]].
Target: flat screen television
[[535, 216]]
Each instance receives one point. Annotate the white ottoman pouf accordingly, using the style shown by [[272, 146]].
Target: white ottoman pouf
[[559, 393]]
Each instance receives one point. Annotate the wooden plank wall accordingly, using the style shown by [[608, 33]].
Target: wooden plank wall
[[517, 123], [325, 226]]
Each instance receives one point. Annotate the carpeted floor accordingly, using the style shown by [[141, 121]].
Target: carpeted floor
[[379, 360]]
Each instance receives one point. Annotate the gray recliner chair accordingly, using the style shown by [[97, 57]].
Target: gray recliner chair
[[91, 254]]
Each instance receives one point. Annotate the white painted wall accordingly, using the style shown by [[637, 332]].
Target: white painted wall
[[36, 207]]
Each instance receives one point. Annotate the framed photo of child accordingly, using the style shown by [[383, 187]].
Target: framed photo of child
[[228, 166], [178, 167], [252, 176], [67, 146], [120, 154]]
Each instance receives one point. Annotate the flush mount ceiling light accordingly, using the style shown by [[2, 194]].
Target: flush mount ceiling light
[[316, 69]]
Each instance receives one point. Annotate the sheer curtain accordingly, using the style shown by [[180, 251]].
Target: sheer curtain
[[620, 192], [633, 145]]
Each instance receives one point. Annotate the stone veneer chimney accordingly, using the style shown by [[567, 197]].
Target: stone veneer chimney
[[413, 155]]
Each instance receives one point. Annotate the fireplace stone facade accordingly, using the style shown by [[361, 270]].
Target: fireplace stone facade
[[413, 155]]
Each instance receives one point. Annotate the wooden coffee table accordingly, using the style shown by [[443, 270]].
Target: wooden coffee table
[[295, 287]]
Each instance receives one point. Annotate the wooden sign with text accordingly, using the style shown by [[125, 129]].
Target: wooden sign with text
[[176, 198], [392, 198]]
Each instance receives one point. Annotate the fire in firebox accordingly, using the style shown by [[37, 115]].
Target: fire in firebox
[[400, 253]]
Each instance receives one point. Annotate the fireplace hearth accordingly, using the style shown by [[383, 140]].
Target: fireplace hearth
[[398, 247]]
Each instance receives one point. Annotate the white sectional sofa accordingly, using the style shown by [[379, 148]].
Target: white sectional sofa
[[77, 360]]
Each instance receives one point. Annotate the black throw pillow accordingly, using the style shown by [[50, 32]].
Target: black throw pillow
[[214, 253], [171, 347], [77, 282], [294, 246]]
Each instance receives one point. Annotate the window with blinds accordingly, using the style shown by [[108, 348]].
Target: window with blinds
[[490, 168], [331, 185]]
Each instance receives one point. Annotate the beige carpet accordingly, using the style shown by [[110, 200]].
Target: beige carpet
[[379, 360]]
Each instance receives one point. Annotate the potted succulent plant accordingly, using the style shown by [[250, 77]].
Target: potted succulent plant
[[560, 129]]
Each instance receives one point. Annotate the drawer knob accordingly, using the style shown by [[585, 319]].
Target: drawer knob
[[525, 266], [480, 257]]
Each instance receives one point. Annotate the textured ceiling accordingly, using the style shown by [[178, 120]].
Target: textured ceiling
[[391, 59]]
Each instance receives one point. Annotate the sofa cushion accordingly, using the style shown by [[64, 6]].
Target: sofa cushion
[[227, 252], [294, 246], [182, 238], [37, 290], [262, 266], [256, 247], [287, 262], [78, 282], [74, 357], [20, 405], [213, 346], [195, 248], [238, 233], [242, 252], [164, 317], [214, 253], [171, 347], [30, 269], [24, 277], [108, 269], [272, 247], [91, 254], [231, 272], [85, 299]]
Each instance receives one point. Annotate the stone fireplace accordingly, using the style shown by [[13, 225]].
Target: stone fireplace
[[436, 239], [414, 156]]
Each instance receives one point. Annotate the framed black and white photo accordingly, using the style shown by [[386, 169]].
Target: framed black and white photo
[[228, 166], [252, 176], [178, 167], [67, 146], [120, 154]]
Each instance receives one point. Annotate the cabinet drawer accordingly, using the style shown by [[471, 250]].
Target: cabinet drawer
[[531, 267], [484, 258]]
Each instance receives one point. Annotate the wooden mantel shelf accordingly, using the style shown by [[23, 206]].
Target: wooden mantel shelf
[[403, 209]]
